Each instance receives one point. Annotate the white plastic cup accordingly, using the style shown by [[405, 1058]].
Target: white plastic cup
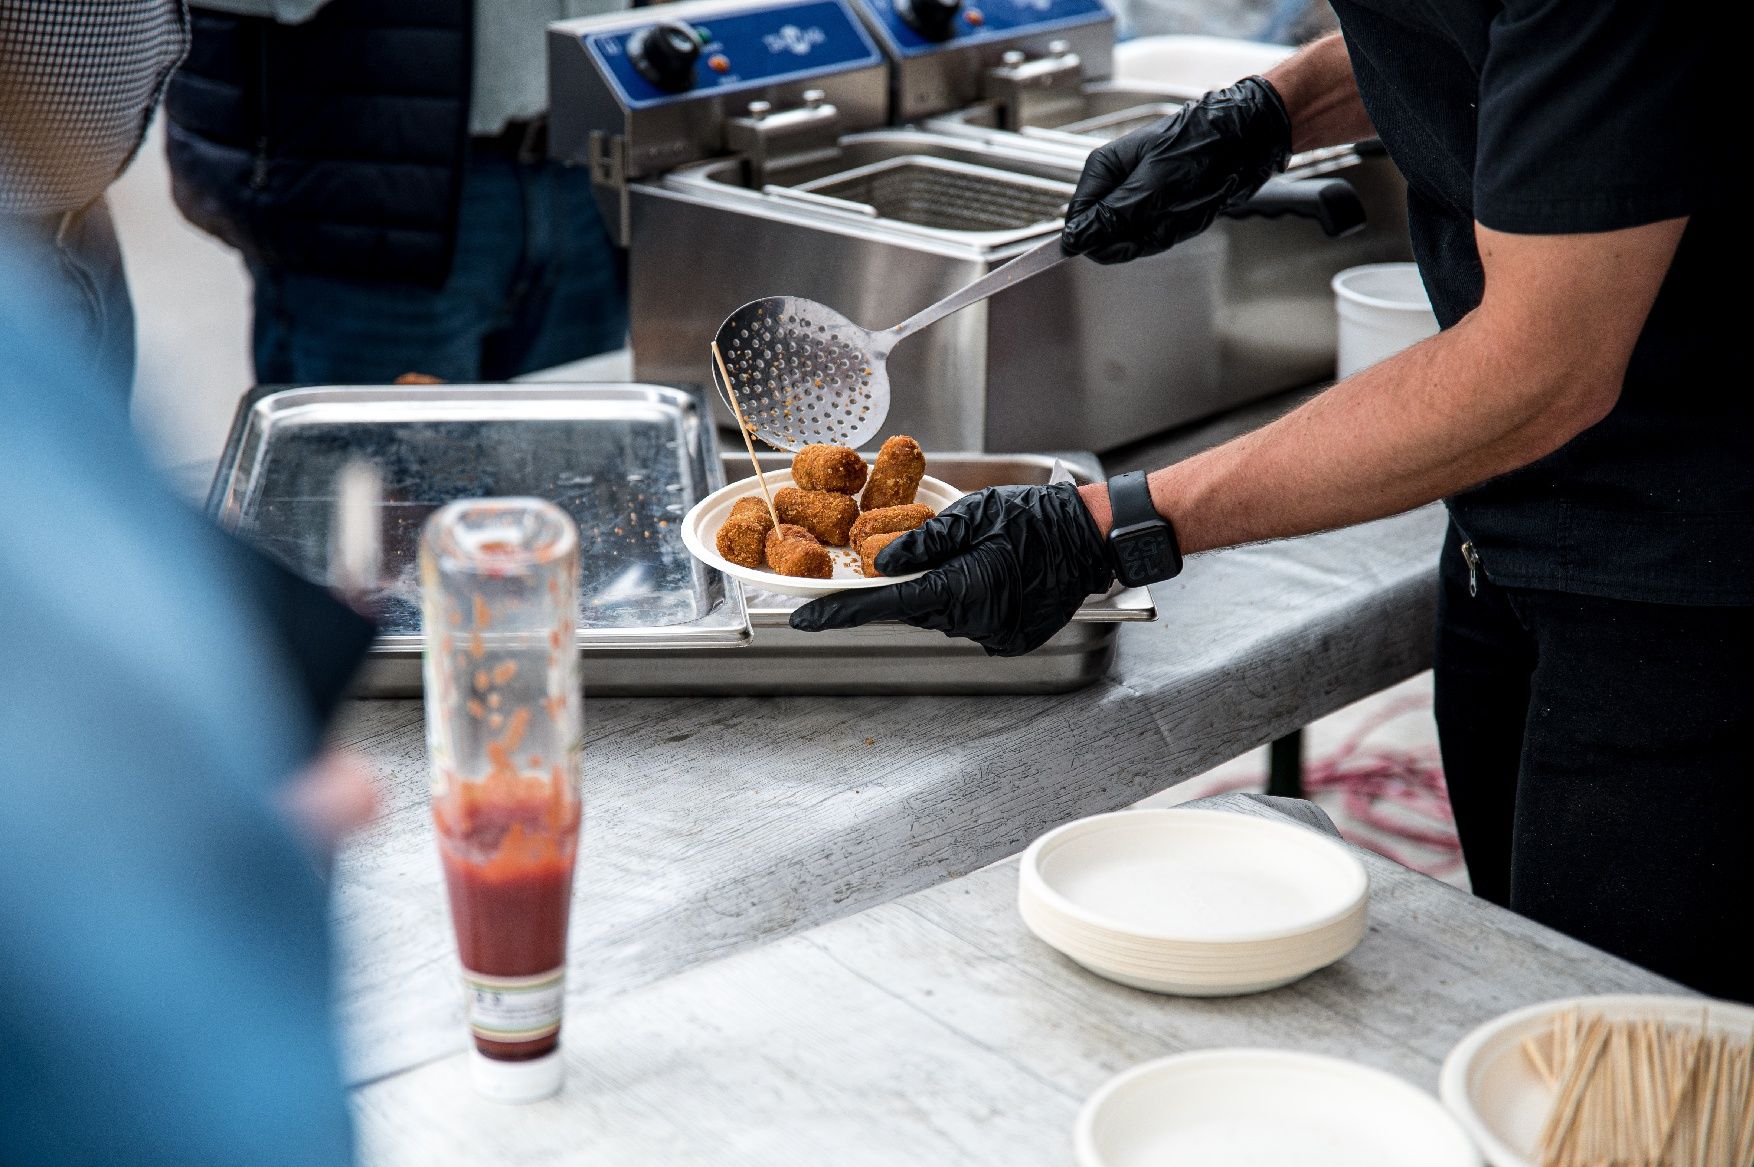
[[1383, 309]]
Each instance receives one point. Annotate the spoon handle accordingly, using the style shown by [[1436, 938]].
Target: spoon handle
[[1031, 263]]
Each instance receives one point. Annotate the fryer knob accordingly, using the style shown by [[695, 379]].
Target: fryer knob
[[933, 19], [665, 54]]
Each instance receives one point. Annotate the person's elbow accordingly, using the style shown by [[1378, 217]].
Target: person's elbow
[[1569, 400]]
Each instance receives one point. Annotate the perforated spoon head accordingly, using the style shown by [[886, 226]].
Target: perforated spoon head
[[803, 373]]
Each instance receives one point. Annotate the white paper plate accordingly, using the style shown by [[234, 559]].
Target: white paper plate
[[1265, 1108], [700, 527], [1182, 976], [1304, 953], [1348, 929], [1194, 876], [1488, 1084]]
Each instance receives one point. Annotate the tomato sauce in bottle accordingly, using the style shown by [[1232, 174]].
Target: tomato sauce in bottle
[[504, 717]]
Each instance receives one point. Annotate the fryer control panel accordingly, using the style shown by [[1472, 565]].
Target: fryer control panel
[[979, 21], [749, 48]]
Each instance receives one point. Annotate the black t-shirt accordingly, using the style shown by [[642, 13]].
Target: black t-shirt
[[1564, 116]]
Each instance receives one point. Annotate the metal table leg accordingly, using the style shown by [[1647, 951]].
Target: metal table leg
[[1285, 766]]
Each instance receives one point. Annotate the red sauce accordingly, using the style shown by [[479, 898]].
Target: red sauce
[[508, 845]]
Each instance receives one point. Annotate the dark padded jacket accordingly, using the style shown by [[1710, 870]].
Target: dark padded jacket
[[333, 147]]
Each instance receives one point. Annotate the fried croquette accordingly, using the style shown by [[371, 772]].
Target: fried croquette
[[787, 531], [887, 520], [896, 474], [742, 542], [826, 467], [800, 557], [870, 547], [753, 510], [825, 514]]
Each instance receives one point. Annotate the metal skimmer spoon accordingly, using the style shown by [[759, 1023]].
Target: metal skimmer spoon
[[804, 373]]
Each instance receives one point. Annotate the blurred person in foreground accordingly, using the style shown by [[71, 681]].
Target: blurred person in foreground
[[382, 166], [79, 82], [164, 953]]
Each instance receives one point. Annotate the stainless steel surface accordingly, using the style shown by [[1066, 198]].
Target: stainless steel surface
[[802, 372], [942, 194], [963, 72], [625, 461], [876, 659], [867, 223], [589, 126], [1083, 356]]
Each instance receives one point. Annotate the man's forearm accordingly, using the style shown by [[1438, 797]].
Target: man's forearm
[[1321, 96], [1539, 361], [1428, 422]]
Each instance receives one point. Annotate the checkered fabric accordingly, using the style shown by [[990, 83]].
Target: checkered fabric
[[79, 80]]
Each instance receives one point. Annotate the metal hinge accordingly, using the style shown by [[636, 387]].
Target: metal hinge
[[607, 158], [768, 138], [1027, 91]]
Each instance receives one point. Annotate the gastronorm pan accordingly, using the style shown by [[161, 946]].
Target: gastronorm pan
[[624, 460], [650, 624]]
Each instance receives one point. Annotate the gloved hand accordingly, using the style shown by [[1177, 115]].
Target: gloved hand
[[1007, 568], [1147, 191]]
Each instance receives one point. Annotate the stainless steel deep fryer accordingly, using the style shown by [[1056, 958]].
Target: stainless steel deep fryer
[[780, 179], [758, 167]]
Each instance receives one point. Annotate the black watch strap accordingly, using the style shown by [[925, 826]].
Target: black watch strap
[[1141, 541]]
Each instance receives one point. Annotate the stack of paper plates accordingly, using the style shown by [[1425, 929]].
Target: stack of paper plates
[[1265, 1108], [1194, 902]]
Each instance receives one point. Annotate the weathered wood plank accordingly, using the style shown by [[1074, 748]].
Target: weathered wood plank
[[715, 824], [935, 1029]]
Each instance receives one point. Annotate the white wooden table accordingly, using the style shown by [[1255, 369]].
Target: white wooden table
[[716, 824], [936, 1030]]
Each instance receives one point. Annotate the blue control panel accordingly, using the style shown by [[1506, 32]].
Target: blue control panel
[[748, 50], [983, 20]]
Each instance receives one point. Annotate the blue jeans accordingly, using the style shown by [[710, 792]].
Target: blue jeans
[[536, 282], [81, 290]]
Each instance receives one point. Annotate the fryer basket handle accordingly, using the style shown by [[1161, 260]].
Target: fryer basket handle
[[1332, 202]]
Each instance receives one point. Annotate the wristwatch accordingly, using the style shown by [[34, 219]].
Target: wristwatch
[[1141, 542]]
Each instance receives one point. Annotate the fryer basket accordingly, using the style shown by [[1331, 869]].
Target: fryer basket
[[944, 195]]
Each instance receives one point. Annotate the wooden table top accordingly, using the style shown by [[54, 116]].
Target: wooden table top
[[936, 1029], [714, 825]]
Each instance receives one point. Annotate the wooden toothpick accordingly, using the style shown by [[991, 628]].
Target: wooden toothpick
[[743, 428]]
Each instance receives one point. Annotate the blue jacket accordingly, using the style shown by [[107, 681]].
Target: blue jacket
[[334, 147], [164, 950]]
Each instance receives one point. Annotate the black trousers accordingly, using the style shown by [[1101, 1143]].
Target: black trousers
[[1600, 759]]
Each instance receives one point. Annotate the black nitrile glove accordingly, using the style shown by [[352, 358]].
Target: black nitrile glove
[[1147, 191], [1005, 567]]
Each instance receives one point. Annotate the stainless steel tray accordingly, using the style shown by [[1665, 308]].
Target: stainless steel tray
[[625, 460], [664, 633]]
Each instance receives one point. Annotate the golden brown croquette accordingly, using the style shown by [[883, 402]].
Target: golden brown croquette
[[800, 557], [786, 531], [825, 514], [896, 475], [870, 547], [741, 542], [825, 467], [753, 509], [882, 522]]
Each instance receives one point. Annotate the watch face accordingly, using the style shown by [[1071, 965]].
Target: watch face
[[1143, 554]]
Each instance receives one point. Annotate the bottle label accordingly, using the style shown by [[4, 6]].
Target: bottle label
[[514, 1009]]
